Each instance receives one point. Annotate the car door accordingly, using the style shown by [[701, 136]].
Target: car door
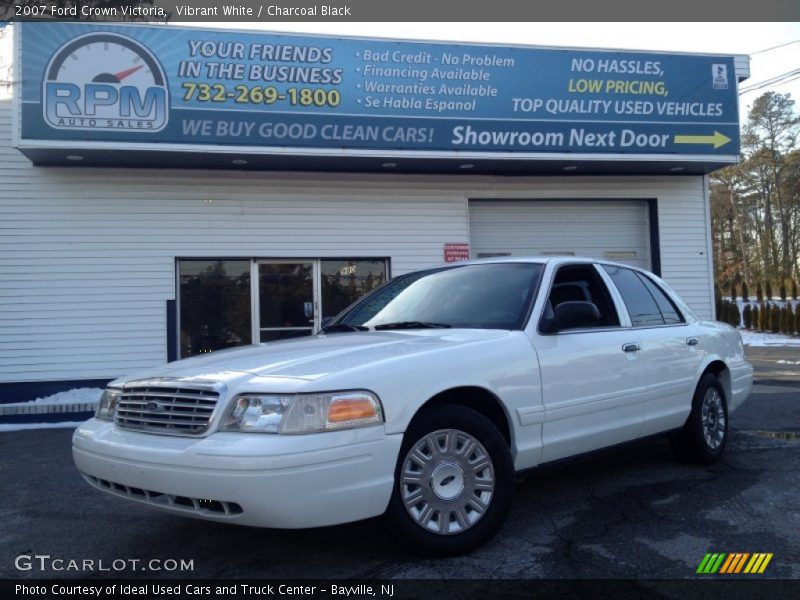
[[593, 379], [671, 348]]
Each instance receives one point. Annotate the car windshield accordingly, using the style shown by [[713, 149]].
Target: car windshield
[[481, 296]]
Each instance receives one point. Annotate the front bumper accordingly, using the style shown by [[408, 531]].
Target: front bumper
[[264, 480]]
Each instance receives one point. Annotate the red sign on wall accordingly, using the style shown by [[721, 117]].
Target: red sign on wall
[[454, 252]]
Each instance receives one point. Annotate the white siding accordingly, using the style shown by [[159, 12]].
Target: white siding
[[87, 256]]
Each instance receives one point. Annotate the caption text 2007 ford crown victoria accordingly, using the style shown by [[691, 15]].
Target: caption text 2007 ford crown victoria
[[421, 401]]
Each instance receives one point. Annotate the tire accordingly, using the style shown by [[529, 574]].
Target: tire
[[705, 434], [454, 481]]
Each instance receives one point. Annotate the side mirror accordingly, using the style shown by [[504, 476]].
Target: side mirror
[[575, 313]]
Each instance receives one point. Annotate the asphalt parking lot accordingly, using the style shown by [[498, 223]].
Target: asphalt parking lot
[[637, 514]]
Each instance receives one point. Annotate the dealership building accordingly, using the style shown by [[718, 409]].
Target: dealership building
[[170, 191]]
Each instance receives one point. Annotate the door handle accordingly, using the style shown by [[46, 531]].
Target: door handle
[[631, 347], [692, 341]]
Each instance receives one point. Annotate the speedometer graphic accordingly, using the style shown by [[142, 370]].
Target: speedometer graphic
[[105, 81]]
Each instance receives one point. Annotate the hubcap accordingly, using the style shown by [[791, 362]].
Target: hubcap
[[713, 419], [447, 481]]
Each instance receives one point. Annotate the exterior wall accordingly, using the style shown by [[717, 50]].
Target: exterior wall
[[87, 256]]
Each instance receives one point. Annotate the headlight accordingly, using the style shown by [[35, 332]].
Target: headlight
[[302, 413], [108, 404]]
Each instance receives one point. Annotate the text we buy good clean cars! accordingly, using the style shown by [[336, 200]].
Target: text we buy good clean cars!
[[421, 401]]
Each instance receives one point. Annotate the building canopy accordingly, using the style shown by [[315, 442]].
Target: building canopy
[[140, 95]]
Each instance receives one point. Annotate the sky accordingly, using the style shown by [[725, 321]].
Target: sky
[[719, 38]]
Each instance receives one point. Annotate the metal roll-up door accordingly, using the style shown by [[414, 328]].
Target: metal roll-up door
[[616, 230]]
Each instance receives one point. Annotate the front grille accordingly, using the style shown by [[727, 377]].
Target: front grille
[[164, 409]]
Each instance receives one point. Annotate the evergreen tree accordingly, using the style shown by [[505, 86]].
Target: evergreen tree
[[794, 289], [736, 315], [745, 292], [759, 292], [783, 290], [797, 318], [784, 319], [748, 316], [732, 290], [769, 291], [774, 319], [718, 303], [756, 317]]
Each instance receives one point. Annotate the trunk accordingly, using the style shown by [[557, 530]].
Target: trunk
[[760, 243], [742, 240]]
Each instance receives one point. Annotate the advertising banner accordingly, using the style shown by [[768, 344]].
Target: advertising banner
[[136, 84]]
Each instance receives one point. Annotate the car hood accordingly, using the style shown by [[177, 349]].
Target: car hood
[[312, 358]]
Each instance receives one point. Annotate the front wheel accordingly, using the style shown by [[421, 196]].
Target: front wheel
[[705, 434], [453, 483]]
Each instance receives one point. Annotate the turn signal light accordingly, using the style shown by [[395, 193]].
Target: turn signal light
[[351, 409]]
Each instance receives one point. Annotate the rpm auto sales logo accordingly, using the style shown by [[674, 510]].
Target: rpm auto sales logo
[[105, 81]]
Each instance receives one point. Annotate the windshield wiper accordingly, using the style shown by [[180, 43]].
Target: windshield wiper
[[412, 325], [343, 327]]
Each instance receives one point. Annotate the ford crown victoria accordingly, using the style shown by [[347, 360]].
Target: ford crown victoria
[[422, 401]]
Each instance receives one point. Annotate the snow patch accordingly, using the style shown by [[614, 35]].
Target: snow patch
[[73, 396], [761, 339]]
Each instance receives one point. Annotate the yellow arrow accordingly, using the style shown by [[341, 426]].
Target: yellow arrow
[[717, 139]]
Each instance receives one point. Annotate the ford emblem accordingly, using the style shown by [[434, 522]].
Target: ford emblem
[[153, 406]]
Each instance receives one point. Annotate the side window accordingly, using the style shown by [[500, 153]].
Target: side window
[[668, 309], [582, 283], [642, 306]]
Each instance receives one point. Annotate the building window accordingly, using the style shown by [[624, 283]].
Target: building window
[[292, 296], [345, 281], [214, 305], [285, 299]]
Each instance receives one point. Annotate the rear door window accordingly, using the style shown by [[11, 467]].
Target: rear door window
[[669, 311], [642, 307]]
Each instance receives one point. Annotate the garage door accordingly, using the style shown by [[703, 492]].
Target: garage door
[[614, 230]]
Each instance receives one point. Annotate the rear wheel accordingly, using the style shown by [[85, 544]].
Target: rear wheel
[[705, 434], [453, 483]]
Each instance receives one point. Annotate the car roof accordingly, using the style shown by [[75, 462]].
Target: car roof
[[555, 260]]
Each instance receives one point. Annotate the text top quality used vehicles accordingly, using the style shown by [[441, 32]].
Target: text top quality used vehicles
[[421, 401]]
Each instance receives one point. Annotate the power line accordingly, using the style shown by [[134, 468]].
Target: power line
[[779, 83], [777, 79], [774, 77], [774, 47]]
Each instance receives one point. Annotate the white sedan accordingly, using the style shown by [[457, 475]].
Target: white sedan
[[423, 400]]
